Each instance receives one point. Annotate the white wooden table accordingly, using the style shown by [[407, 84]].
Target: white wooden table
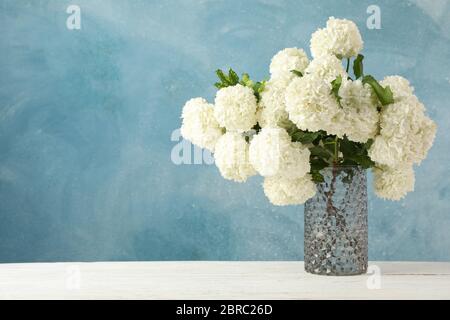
[[219, 280]]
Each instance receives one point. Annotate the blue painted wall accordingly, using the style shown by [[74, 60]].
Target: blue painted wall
[[86, 119]]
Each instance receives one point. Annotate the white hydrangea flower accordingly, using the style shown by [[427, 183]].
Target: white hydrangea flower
[[287, 60], [400, 86], [284, 191], [311, 105], [327, 67], [199, 125], [360, 107], [320, 43], [425, 135], [231, 157], [273, 153], [341, 37], [235, 108], [406, 134], [393, 183], [384, 151], [272, 105]]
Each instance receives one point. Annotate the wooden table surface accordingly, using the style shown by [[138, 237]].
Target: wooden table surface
[[219, 280]]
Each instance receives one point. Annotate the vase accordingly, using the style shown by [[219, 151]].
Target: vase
[[336, 240]]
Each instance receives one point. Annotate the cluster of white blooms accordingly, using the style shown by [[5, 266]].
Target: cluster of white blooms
[[393, 183], [273, 153], [285, 166], [235, 108], [405, 137], [400, 87], [283, 191], [253, 128], [287, 60], [359, 104], [327, 68], [232, 157], [199, 124], [272, 107], [312, 106], [406, 132], [341, 37]]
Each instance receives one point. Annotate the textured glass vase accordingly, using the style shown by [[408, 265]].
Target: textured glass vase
[[336, 223]]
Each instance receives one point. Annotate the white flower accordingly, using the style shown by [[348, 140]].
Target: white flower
[[341, 37], [405, 129], [272, 105], [360, 107], [287, 60], [273, 153], [406, 134], [425, 135], [311, 105], [393, 183], [199, 125], [231, 157], [284, 191], [327, 67], [384, 151], [400, 86], [235, 108]]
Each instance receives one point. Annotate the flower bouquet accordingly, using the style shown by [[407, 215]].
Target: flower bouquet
[[311, 131]]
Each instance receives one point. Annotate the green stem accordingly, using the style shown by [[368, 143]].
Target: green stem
[[348, 64], [336, 150]]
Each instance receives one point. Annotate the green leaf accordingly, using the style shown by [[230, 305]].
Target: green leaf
[[309, 137], [296, 136], [288, 125], [304, 137], [319, 138], [363, 160], [368, 144], [317, 177], [318, 164], [320, 152], [258, 88], [358, 68], [335, 86], [348, 162], [218, 85], [233, 77], [329, 143], [385, 95], [245, 81], [349, 148], [223, 78], [297, 73], [356, 153]]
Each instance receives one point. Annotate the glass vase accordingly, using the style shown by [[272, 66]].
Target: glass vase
[[336, 223]]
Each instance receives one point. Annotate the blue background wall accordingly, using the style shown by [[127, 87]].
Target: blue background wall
[[86, 119]]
